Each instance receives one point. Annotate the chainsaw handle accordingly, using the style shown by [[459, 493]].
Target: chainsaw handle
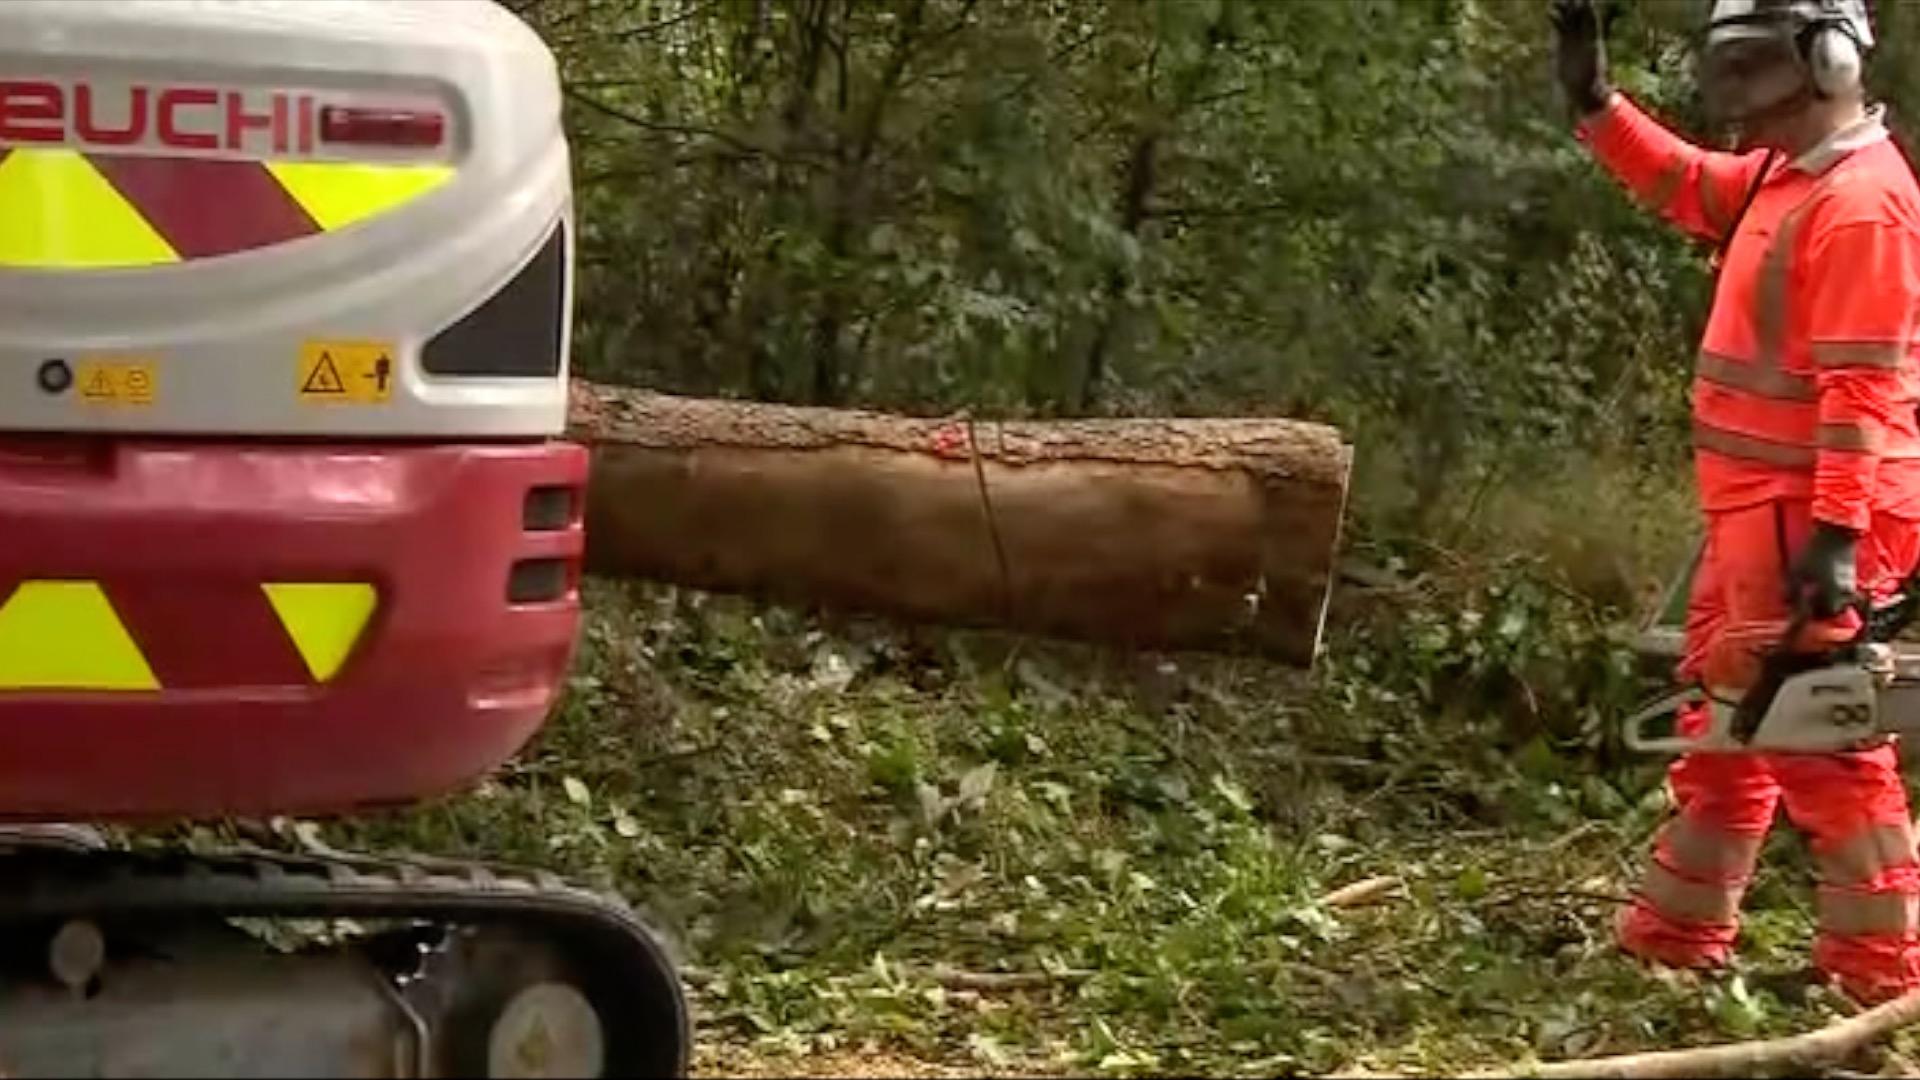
[[1782, 663], [1635, 731]]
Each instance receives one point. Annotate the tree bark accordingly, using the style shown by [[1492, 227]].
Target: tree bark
[[1169, 534]]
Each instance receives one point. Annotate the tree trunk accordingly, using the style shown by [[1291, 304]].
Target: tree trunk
[[1173, 534], [1135, 192]]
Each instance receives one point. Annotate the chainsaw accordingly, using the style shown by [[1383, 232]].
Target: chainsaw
[[1833, 696]]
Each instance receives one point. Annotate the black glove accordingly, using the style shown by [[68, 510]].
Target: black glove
[[1823, 577], [1580, 56]]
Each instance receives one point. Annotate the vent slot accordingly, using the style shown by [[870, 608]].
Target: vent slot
[[537, 581], [547, 509]]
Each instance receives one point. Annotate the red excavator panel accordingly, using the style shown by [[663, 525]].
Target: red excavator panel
[[200, 628]]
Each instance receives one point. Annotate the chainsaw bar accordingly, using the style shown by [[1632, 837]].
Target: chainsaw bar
[[633, 979]]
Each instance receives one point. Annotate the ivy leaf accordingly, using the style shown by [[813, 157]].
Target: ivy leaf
[[577, 792], [1235, 795], [624, 825], [977, 782]]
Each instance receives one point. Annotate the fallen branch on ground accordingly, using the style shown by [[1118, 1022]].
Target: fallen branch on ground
[[949, 978], [1793, 1055], [1597, 896], [1581, 832], [1364, 891], [1003, 982]]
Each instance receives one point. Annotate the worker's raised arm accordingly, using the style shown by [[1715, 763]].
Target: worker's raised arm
[[1697, 189]]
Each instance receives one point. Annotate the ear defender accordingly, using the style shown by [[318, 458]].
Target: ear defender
[[1833, 58]]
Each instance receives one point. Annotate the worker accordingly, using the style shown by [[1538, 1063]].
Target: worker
[[1806, 452]]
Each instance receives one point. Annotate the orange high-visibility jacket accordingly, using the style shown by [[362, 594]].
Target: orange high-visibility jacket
[[1809, 371]]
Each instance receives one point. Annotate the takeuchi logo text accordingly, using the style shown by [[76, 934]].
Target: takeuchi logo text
[[178, 117]]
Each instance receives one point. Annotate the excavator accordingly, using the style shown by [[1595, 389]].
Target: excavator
[[289, 526]]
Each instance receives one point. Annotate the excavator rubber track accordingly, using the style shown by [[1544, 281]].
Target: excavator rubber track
[[472, 936]]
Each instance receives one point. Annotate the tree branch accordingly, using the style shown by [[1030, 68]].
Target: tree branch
[[1059, 56], [1796, 1055], [648, 29], [1362, 893], [961, 22], [633, 33], [664, 128], [999, 982]]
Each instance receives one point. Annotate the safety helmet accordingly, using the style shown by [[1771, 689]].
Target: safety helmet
[[1764, 58], [1830, 37]]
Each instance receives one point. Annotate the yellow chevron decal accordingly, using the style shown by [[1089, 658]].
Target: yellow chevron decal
[[324, 619], [338, 194], [65, 635], [58, 212]]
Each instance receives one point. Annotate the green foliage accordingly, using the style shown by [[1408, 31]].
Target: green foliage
[[824, 818], [1516, 640], [1369, 212]]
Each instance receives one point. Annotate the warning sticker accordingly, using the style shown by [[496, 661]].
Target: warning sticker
[[346, 372], [128, 382]]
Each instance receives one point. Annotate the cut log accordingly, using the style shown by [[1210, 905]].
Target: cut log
[[1166, 534]]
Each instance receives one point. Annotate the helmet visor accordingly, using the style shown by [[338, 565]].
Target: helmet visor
[[1746, 70]]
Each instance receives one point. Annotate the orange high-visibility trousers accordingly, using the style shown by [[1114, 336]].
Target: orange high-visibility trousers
[[1852, 805]]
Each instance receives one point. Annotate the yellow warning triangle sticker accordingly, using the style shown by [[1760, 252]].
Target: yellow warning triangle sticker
[[324, 619], [65, 635], [99, 385], [324, 378]]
